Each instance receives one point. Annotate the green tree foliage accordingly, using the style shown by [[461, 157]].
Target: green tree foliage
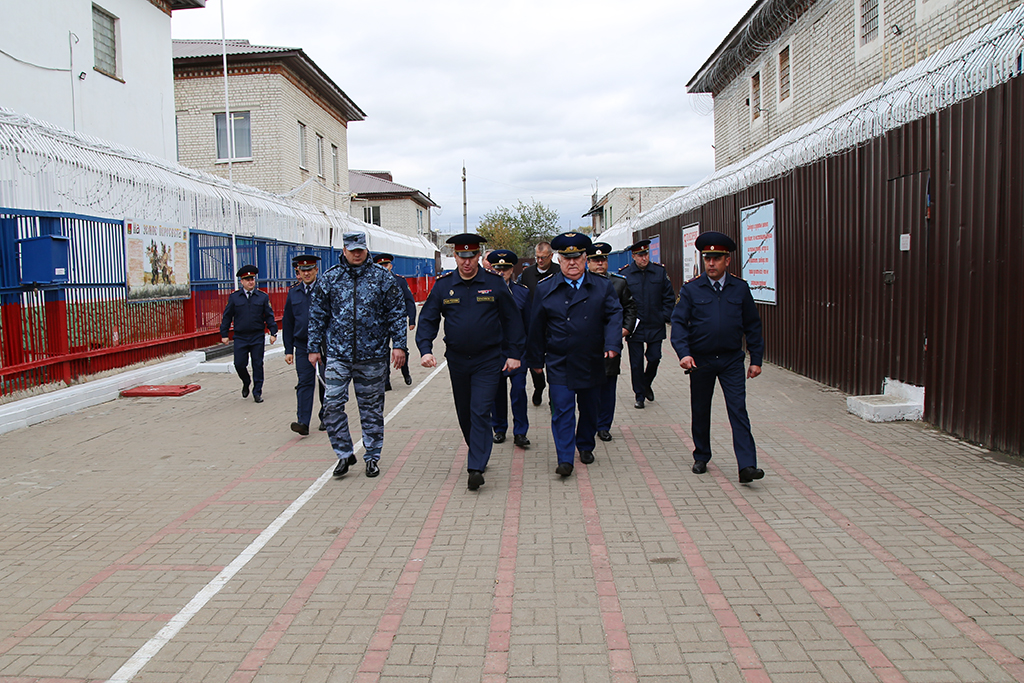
[[519, 228]]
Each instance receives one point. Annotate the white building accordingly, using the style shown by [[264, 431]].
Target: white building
[[625, 203], [378, 200], [101, 68]]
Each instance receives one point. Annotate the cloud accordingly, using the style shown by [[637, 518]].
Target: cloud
[[541, 99]]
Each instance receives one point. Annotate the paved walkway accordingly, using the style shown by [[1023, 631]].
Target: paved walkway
[[198, 539]]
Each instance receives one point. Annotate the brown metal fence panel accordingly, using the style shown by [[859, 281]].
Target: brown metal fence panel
[[900, 259]]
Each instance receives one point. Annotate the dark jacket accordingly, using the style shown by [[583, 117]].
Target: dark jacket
[[410, 301], [531, 276], [611, 365], [295, 320], [251, 314], [571, 331], [652, 291], [705, 323]]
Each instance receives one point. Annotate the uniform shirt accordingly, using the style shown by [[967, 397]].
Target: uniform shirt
[[480, 315], [251, 314], [571, 330], [652, 291], [295, 321], [355, 312], [707, 323]]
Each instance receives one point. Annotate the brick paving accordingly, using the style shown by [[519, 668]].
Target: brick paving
[[198, 539]]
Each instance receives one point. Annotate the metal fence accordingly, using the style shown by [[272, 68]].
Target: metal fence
[[64, 331]]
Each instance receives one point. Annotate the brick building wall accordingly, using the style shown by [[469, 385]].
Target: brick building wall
[[828, 66], [276, 102], [398, 214]]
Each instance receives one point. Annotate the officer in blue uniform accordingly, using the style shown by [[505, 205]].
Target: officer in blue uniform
[[295, 332], [387, 261], [715, 313], [251, 312], [652, 291], [575, 324], [503, 262], [597, 263], [483, 336]]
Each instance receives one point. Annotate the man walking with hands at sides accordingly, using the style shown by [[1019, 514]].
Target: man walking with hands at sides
[[355, 314], [387, 261], [250, 310], [575, 324], [597, 263], [502, 262], [295, 333], [715, 313], [483, 337], [652, 290], [529, 278]]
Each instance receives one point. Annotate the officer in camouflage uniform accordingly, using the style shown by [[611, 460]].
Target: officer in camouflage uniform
[[356, 310]]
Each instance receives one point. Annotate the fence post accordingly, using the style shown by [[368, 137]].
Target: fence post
[[13, 351], [58, 342]]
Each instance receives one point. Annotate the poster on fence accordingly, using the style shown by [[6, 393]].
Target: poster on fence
[[757, 250], [156, 255], [691, 257]]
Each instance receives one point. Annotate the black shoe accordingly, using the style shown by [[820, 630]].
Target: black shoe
[[564, 469], [498, 437], [300, 428], [352, 460], [322, 427], [586, 457], [245, 390], [342, 469], [699, 466], [408, 379], [371, 468], [258, 398], [521, 440], [476, 479], [649, 394], [749, 474], [604, 435], [639, 405], [538, 395], [387, 387]]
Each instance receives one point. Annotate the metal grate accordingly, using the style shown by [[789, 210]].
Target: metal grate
[[784, 74], [868, 21], [104, 41]]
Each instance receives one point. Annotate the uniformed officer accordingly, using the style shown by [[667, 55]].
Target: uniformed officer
[[503, 261], [483, 336], [387, 260], [295, 332], [715, 313], [597, 263], [652, 291], [252, 314], [575, 324]]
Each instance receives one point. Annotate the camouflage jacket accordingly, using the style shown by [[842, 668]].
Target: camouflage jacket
[[355, 311]]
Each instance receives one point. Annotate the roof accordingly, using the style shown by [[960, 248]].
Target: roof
[[208, 54], [763, 23], [187, 4], [369, 184]]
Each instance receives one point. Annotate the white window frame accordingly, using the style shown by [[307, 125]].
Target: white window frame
[[99, 14], [784, 104], [236, 117], [334, 163], [320, 155], [865, 50], [755, 98], [302, 146], [371, 215]]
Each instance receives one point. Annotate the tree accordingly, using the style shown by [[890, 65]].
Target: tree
[[519, 228]]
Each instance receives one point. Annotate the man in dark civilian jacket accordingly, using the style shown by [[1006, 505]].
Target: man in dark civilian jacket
[[529, 278]]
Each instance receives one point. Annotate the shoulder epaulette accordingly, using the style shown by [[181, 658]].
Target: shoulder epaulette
[[622, 277], [622, 268], [691, 280], [332, 268], [445, 274], [294, 285], [545, 278]]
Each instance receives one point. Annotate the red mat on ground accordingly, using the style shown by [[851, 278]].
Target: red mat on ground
[[161, 390]]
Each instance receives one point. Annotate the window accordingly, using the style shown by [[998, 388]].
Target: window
[[755, 96], [302, 145], [334, 163], [241, 132], [371, 215], [104, 41], [419, 221], [320, 155], [784, 74], [868, 21]]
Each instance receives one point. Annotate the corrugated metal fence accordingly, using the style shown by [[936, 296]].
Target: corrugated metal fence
[[854, 309], [61, 332]]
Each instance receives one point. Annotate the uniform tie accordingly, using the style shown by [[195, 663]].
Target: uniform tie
[[576, 285], [718, 288]]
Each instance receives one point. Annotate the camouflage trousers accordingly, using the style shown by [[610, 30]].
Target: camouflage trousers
[[367, 380]]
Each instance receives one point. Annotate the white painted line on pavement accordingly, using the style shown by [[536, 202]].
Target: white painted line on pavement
[[149, 650]]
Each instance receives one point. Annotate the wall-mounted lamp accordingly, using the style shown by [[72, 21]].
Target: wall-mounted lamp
[[895, 30], [81, 76]]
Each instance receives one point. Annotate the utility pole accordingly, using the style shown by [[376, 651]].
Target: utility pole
[[465, 214]]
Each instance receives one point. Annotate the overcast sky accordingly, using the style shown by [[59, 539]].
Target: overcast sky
[[545, 100]]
